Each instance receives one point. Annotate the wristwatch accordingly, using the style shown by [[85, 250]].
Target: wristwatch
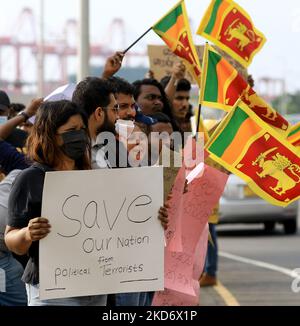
[[24, 114]]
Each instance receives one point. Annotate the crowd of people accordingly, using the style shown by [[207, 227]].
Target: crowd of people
[[108, 123]]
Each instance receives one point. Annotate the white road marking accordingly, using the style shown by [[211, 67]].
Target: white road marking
[[286, 271]]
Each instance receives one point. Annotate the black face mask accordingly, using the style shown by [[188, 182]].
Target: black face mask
[[75, 143]]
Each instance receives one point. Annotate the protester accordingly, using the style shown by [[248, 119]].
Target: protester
[[112, 65], [11, 159], [15, 292], [136, 144], [96, 97], [124, 95], [181, 107], [129, 114], [160, 136], [151, 98], [170, 82], [9, 130], [58, 142], [16, 108], [209, 276], [4, 107]]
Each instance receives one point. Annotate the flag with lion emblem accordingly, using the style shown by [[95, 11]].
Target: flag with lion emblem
[[251, 149], [222, 86], [228, 26]]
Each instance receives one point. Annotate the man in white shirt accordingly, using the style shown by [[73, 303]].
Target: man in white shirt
[[96, 98]]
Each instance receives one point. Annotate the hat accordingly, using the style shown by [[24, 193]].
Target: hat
[[4, 101], [141, 117]]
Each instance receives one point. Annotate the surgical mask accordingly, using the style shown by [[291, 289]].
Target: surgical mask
[[75, 143], [124, 128], [3, 120]]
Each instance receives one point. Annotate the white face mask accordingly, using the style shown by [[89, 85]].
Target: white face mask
[[3, 120], [124, 128]]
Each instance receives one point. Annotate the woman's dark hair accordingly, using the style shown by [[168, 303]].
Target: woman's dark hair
[[41, 143]]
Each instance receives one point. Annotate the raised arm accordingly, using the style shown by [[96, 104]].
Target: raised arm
[[113, 65], [177, 74]]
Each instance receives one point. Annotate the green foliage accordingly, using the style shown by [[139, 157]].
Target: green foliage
[[291, 101]]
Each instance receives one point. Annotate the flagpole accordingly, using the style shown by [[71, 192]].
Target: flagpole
[[134, 43], [83, 40], [198, 121]]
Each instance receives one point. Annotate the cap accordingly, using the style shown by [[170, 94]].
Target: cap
[[4, 101]]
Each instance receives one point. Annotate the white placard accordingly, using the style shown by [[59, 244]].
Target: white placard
[[64, 92], [105, 235]]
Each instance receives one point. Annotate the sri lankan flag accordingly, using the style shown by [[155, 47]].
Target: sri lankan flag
[[249, 148], [227, 25], [294, 135], [174, 29], [222, 86]]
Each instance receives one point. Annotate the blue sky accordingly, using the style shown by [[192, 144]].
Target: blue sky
[[278, 20]]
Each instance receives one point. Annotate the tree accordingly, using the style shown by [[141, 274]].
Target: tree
[[292, 102]]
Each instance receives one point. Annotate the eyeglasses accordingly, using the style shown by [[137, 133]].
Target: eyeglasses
[[126, 106], [116, 108]]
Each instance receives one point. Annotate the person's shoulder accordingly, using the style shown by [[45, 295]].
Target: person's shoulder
[[30, 174], [9, 179]]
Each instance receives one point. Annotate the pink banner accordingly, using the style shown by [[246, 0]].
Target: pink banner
[[183, 266], [174, 298], [179, 272], [203, 195], [200, 254], [174, 232]]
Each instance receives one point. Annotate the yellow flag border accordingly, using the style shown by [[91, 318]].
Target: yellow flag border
[[224, 47], [205, 18], [295, 137], [224, 107], [193, 48], [293, 127], [175, 6], [191, 41], [204, 73], [213, 105]]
